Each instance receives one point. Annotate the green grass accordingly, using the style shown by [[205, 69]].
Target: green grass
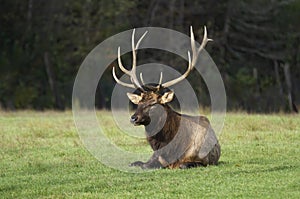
[[41, 156]]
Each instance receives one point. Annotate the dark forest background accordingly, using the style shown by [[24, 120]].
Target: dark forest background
[[256, 47]]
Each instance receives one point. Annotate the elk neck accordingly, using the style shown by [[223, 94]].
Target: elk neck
[[159, 138]]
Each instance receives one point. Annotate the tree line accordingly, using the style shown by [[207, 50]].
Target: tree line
[[256, 47]]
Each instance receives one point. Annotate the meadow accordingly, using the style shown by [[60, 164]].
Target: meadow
[[42, 156]]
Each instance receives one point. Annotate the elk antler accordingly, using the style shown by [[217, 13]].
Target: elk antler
[[132, 72], [192, 62], [160, 79]]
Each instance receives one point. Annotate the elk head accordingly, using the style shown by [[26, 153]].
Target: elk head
[[149, 103], [147, 96]]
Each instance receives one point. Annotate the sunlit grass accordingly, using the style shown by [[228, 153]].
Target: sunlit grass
[[41, 155]]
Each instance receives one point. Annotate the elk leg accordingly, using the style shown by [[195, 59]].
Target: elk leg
[[136, 164], [188, 165], [147, 165], [153, 163]]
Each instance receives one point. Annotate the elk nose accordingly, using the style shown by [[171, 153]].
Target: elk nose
[[133, 118]]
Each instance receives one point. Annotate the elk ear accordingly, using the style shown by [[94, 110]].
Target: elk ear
[[167, 97], [134, 98]]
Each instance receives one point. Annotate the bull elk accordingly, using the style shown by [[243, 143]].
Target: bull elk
[[178, 140]]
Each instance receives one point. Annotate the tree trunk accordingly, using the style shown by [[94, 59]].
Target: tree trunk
[[29, 15], [53, 86], [171, 14], [287, 74], [279, 84], [257, 87], [224, 42], [153, 11], [181, 15]]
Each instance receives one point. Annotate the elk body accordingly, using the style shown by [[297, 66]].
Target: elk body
[[178, 141]]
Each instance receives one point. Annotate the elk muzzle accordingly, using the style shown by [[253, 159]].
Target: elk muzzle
[[134, 119], [137, 119]]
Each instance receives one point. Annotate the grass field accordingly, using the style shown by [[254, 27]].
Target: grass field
[[41, 156]]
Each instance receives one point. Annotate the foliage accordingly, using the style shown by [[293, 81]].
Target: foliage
[[248, 35], [41, 156]]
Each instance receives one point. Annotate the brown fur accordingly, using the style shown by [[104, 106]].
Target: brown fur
[[183, 141]]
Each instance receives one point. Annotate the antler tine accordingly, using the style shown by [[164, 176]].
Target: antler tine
[[142, 37], [127, 72], [192, 62], [119, 81], [193, 43], [203, 44], [132, 72], [160, 78], [141, 77], [182, 77], [134, 49]]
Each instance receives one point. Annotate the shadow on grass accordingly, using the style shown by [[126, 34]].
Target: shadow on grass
[[222, 163]]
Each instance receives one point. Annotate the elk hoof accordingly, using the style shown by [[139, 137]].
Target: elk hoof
[[188, 165], [183, 166], [147, 166], [137, 164], [152, 166]]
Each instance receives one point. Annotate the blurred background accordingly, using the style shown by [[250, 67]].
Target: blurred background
[[256, 48]]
